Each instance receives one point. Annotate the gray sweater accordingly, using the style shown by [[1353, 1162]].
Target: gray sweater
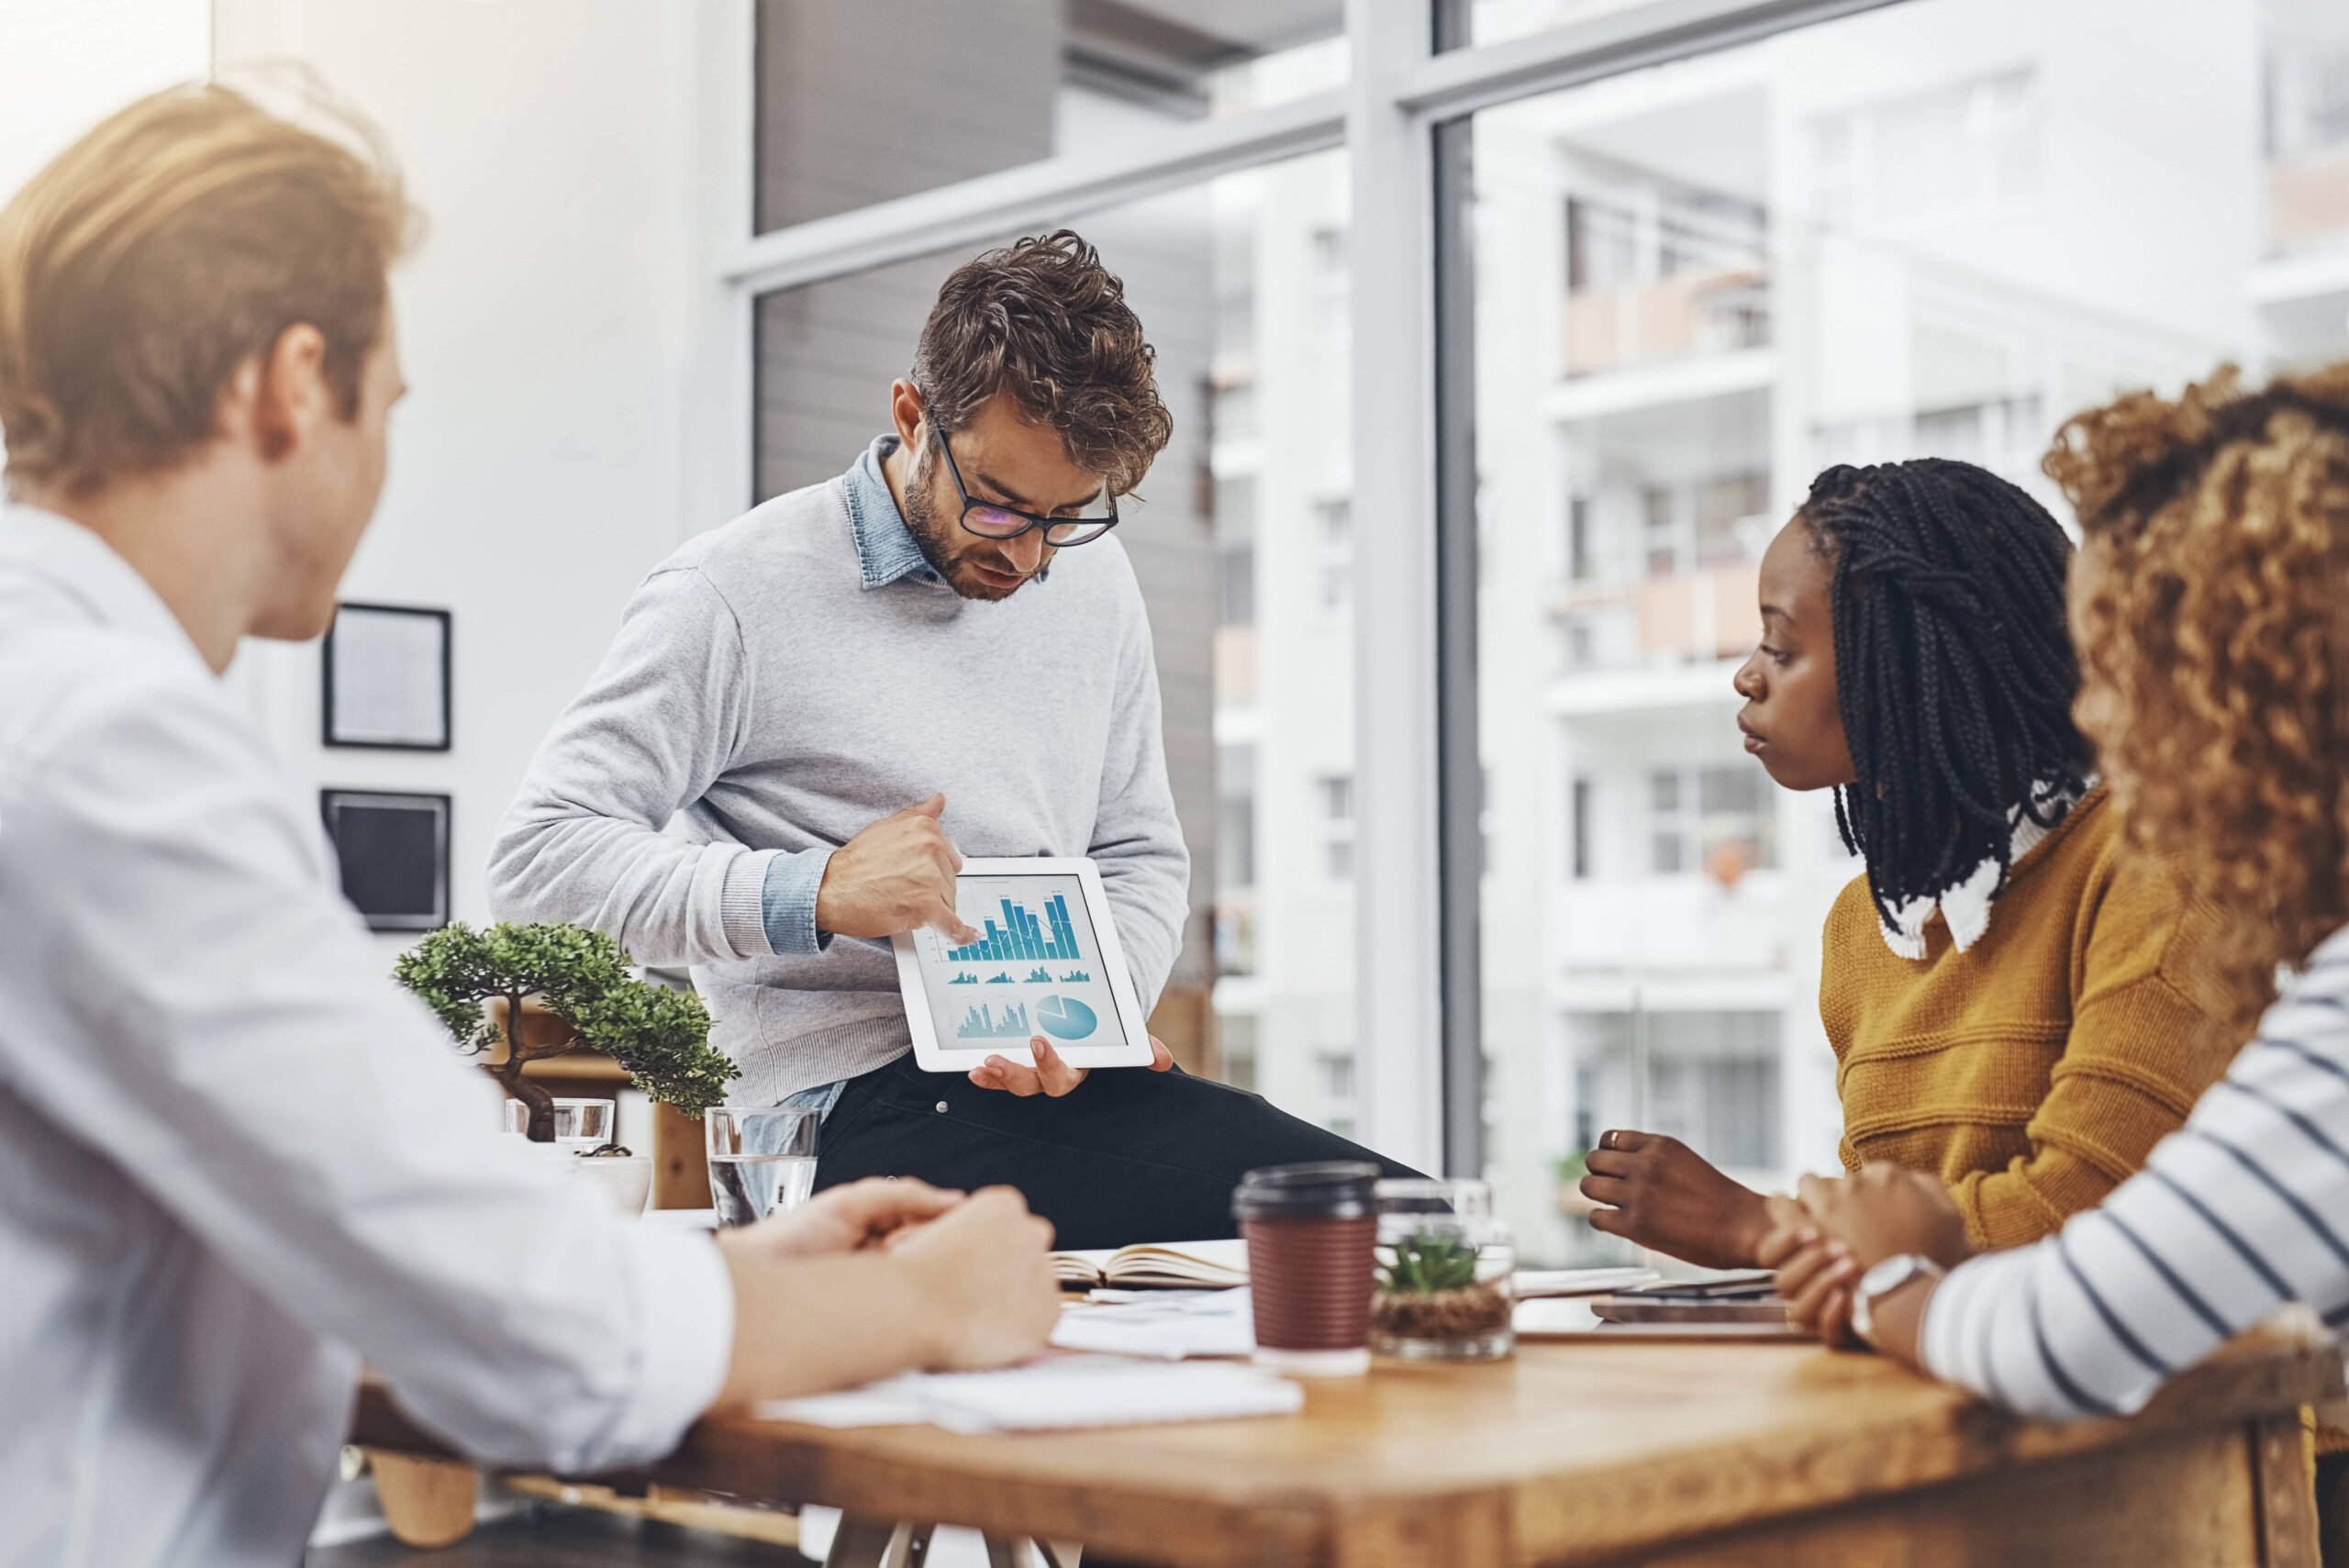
[[786, 680]]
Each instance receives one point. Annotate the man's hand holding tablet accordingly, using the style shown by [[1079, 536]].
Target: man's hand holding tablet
[[1051, 1075]]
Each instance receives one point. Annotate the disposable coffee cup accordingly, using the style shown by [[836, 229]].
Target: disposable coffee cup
[[1310, 1231]]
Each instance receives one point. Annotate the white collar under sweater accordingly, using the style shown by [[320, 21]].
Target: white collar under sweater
[[1965, 904]]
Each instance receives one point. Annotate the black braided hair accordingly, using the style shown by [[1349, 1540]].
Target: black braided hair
[[1954, 668]]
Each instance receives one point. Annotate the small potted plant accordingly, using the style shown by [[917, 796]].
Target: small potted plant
[[477, 980], [1444, 1278]]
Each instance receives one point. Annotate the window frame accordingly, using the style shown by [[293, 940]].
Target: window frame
[[1403, 118]]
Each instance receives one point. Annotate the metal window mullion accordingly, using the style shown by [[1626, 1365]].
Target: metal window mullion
[[1460, 785], [1462, 80], [1425, 86], [1050, 190], [1398, 991]]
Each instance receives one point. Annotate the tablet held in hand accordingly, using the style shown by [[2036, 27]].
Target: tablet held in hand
[[1045, 962]]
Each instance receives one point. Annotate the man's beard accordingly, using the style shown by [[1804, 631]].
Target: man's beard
[[931, 533]]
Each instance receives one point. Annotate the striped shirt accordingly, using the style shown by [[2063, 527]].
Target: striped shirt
[[2243, 1209]]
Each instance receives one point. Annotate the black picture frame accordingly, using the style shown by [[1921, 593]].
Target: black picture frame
[[392, 853], [340, 729]]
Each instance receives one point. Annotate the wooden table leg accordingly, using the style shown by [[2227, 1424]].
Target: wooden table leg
[[2287, 1500], [877, 1543], [1018, 1552], [427, 1503]]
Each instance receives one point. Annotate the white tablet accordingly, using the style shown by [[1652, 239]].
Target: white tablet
[[1046, 962]]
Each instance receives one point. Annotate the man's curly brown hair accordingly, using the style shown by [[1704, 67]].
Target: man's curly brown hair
[[2214, 632], [1044, 320]]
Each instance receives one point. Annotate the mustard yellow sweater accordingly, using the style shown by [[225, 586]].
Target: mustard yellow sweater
[[2035, 1071]]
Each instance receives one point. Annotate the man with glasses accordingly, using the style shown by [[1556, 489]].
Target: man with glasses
[[942, 653]]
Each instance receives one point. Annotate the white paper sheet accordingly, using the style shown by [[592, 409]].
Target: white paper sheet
[[1162, 1325], [1052, 1394]]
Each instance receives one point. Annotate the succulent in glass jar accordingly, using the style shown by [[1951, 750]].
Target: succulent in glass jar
[[1430, 1292]]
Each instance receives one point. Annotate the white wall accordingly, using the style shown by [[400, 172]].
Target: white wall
[[538, 466], [561, 329], [66, 64]]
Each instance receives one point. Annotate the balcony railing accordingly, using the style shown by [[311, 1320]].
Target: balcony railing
[[1235, 933], [1235, 665], [1714, 311], [1662, 924], [1686, 617]]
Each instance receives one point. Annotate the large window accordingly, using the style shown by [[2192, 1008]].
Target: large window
[[1925, 230], [1233, 552], [1456, 549]]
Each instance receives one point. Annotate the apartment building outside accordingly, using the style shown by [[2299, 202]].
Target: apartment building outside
[[1929, 230]]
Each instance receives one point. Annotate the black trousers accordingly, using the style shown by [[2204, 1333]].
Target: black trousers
[[1129, 1155]]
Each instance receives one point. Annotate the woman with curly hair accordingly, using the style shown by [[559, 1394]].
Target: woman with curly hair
[[2006, 985], [2212, 607]]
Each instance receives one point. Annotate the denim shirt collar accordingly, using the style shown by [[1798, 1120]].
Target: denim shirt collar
[[885, 546]]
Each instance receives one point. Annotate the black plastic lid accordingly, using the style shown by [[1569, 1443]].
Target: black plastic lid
[[1324, 1189]]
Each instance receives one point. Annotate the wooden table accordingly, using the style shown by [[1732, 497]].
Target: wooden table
[[1592, 1452]]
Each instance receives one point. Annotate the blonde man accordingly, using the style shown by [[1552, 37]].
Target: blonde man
[[234, 1160]]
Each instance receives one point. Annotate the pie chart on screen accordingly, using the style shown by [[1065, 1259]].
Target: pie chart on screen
[[1065, 1018]]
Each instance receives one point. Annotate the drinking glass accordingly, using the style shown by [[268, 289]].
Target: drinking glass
[[761, 1159]]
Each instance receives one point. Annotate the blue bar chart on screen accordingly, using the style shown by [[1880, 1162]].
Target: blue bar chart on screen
[[1023, 935], [1038, 957]]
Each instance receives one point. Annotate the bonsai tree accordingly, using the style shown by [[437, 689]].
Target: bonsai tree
[[661, 1036]]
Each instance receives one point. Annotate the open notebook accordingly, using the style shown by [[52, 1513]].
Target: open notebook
[[1178, 1265]]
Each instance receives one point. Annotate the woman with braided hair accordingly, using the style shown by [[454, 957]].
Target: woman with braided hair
[[2011, 994], [2213, 614]]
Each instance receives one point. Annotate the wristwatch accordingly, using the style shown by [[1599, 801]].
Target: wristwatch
[[1881, 1281]]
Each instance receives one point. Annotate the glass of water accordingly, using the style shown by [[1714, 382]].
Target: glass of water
[[761, 1159]]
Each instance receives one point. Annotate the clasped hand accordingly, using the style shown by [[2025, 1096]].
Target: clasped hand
[[1834, 1230], [851, 1218], [984, 1251]]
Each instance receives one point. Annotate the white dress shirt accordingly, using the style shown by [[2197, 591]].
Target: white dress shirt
[[235, 1158]]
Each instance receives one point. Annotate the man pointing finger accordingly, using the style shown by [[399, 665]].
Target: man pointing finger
[[896, 875], [955, 611]]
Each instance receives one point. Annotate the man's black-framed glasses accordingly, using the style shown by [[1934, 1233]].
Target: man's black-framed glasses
[[988, 521]]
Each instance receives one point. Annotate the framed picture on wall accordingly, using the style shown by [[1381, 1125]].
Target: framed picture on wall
[[394, 854], [387, 678]]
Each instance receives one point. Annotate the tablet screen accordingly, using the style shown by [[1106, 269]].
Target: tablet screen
[[1035, 970]]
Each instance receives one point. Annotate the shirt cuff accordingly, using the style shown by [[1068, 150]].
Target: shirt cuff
[[788, 902], [687, 1329], [741, 899]]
